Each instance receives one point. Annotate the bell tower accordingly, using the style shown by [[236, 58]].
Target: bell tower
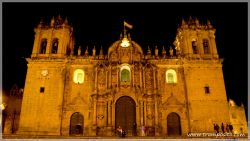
[[54, 40], [202, 75], [196, 41]]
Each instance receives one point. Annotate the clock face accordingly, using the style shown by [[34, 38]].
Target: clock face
[[44, 72]]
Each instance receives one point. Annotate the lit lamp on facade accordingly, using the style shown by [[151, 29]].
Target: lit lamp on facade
[[125, 42], [3, 105]]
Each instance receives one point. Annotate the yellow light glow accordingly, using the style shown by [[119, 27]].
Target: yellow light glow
[[171, 76], [3, 106], [125, 42], [78, 76]]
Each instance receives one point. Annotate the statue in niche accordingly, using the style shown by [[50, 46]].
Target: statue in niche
[[101, 78], [149, 78]]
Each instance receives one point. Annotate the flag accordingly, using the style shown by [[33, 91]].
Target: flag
[[128, 25]]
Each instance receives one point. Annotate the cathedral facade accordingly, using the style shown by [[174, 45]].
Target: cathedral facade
[[172, 93]]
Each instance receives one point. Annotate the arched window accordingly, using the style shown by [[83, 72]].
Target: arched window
[[171, 76], [205, 46], [78, 76], [43, 46], [194, 47], [125, 74], [54, 46]]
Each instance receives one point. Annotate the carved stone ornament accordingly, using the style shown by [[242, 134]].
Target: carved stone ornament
[[150, 116], [100, 117]]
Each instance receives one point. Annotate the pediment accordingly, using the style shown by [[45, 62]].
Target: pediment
[[78, 100], [172, 100]]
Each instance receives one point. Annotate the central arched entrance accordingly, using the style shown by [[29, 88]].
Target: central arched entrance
[[125, 114], [76, 124], [173, 124]]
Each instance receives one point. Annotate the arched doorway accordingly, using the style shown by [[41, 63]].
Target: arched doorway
[[76, 124], [125, 114], [173, 124]]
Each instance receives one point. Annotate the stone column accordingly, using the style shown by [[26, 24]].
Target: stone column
[[37, 44], [143, 78], [140, 77], [154, 80], [118, 84], [109, 113], [109, 126], [107, 72], [138, 114], [141, 116], [200, 45], [95, 109], [95, 79], [156, 116], [212, 46], [145, 112], [133, 74], [110, 79]]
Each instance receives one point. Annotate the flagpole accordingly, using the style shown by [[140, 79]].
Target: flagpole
[[124, 29]]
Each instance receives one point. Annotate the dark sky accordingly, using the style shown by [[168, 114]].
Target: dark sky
[[154, 24]]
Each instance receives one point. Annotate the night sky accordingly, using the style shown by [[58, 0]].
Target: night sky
[[100, 24]]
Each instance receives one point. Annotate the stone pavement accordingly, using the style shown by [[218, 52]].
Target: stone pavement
[[40, 137]]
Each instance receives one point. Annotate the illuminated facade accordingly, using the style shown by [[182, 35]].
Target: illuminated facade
[[88, 94]]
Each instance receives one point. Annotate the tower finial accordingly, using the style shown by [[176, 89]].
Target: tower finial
[[101, 51], [171, 51], [86, 51], [183, 22], [197, 22], [79, 50], [149, 51], [94, 51], [41, 22], [66, 21], [52, 22], [209, 24], [101, 56], [156, 51], [190, 20], [163, 51]]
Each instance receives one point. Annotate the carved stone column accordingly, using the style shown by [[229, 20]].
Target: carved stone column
[[212, 46], [109, 126], [107, 73], [145, 111], [140, 76], [154, 80], [143, 78], [141, 113], [156, 116], [133, 74], [95, 80], [110, 79], [118, 84], [109, 113], [200, 45], [94, 109]]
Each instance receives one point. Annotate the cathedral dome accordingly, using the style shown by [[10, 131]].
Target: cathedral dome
[[119, 43]]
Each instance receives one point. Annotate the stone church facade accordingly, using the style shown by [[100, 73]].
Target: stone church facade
[[174, 92]]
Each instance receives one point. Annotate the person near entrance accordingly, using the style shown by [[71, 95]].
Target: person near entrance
[[135, 129], [143, 130], [121, 132]]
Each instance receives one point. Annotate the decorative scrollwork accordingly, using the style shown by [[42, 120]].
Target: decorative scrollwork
[[100, 117]]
